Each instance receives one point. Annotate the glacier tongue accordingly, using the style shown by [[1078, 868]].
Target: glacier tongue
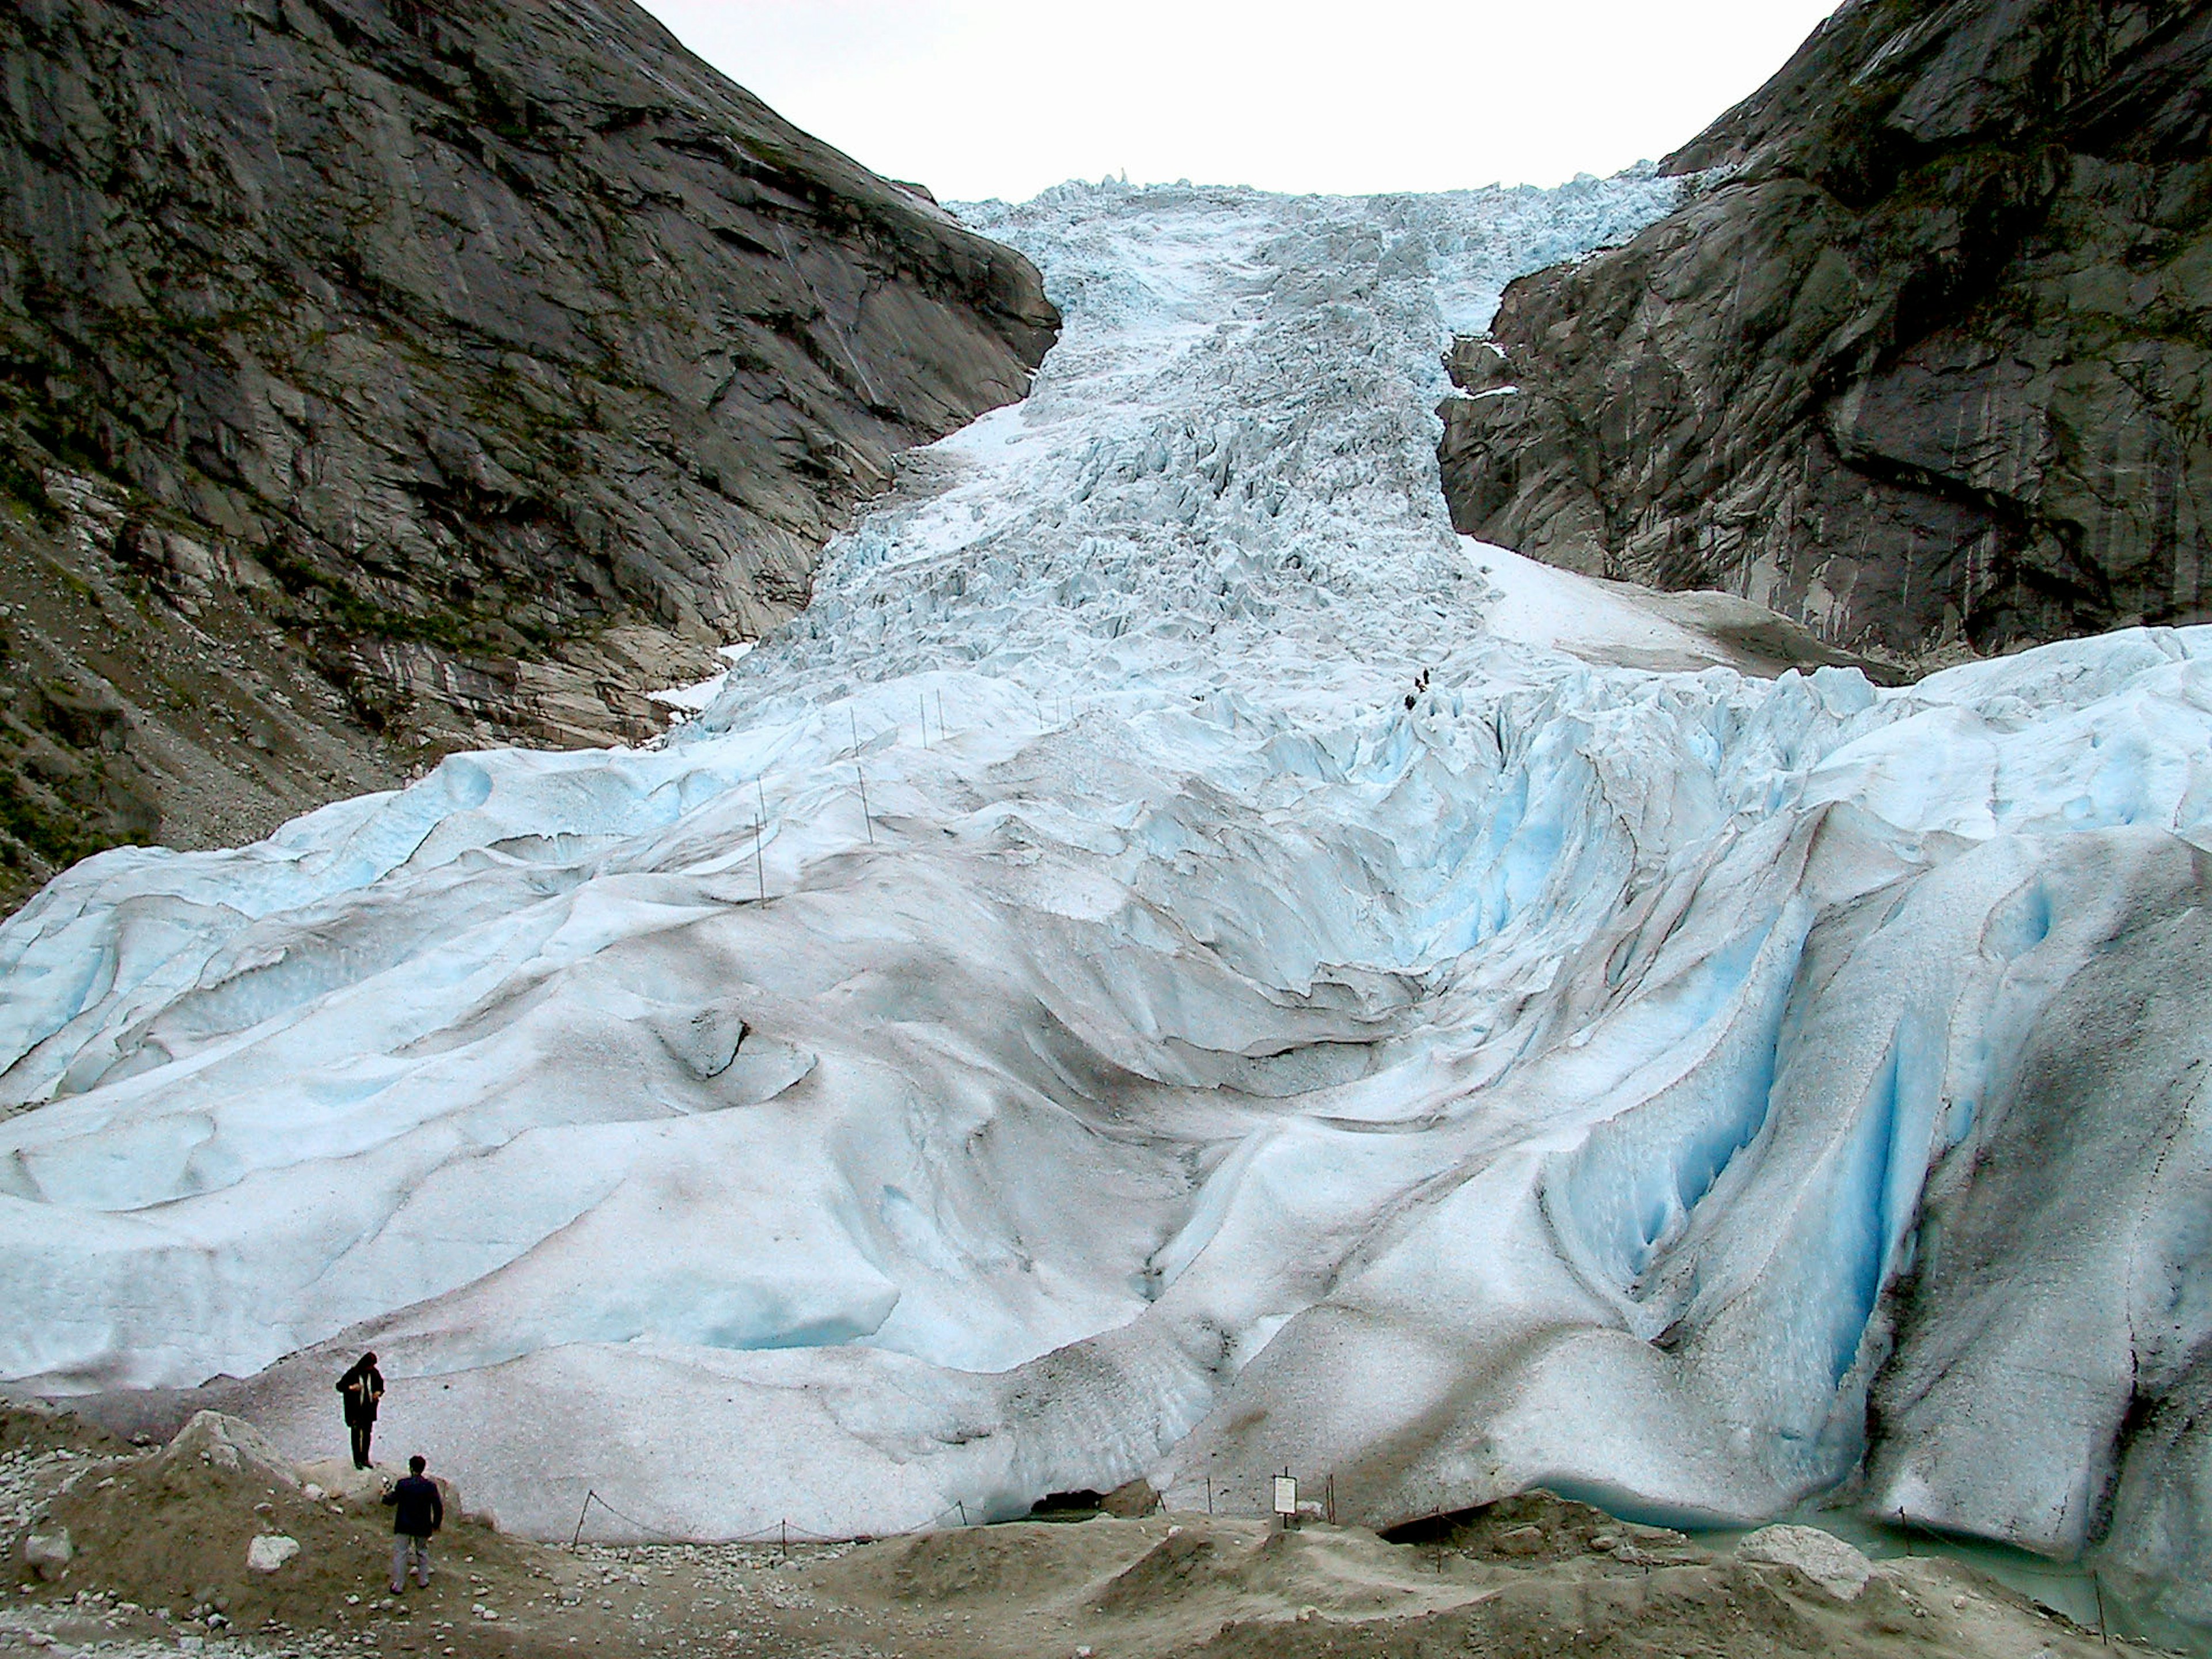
[[1290, 999]]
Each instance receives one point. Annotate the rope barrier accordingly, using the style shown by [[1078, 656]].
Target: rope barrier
[[782, 1532]]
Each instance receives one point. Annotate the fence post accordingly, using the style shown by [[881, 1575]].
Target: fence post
[[574, 1537], [783, 1536]]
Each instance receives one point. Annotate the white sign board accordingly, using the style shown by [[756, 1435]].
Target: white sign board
[[1286, 1495]]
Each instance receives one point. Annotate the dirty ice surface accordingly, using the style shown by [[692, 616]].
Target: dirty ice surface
[[1291, 999]]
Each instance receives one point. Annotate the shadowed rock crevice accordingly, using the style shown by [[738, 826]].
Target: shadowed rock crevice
[[1919, 361], [462, 371]]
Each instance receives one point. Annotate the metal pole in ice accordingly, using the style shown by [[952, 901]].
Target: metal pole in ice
[[867, 819], [759, 834]]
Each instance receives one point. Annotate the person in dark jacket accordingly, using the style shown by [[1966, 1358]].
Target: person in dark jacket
[[418, 1510], [361, 1387]]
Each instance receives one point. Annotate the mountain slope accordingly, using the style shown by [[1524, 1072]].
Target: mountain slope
[[1922, 359], [378, 379]]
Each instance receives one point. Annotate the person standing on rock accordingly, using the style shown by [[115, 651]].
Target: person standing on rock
[[418, 1510], [361, 1387]]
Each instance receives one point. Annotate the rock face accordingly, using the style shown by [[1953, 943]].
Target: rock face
[[378, 379], [1922, 353]]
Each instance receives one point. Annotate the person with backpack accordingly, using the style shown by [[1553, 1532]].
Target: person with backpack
[[361, 1387], [418, 1511]]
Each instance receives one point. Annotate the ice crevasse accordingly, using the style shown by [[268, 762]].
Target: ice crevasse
[[1305, 989]]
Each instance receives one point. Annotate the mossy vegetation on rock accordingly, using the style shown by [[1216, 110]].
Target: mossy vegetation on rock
[[1921, 360]]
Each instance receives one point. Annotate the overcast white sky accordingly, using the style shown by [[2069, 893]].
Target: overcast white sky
[[976, 98]]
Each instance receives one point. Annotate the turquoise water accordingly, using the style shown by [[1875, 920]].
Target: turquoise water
[[2069, 1589]]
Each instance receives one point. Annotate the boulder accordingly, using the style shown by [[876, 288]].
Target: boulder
[[337, 1479], [230, 1444], [49, 1553], [1826, 1559], [269, 1551]]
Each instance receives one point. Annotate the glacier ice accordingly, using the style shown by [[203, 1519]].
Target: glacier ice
[[1306, 991]]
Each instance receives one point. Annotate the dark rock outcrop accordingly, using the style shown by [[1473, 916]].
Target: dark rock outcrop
[[379, 378], [1924, 357]]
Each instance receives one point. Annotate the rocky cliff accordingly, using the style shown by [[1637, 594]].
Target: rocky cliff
[[1921, 360], [378, 379]]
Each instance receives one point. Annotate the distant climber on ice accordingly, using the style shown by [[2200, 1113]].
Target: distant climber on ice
[[361, 1387], [418, 1511]]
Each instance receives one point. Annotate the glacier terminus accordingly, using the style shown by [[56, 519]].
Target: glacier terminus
[[1177, 965]]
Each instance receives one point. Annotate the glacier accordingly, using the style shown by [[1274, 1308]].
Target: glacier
[[1178, 965]]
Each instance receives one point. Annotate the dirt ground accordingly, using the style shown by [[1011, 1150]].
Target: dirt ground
[[160, 1538]]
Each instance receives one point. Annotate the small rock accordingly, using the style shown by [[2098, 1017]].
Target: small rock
[[49, 1553], [312, 1493], [1605, 1542], [1521, 1540], [1822, 1557], [37, 1639], [270, 1551]]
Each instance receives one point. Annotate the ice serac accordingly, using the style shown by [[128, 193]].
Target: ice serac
[[1231, 974], [386, 379], [1922, 357]]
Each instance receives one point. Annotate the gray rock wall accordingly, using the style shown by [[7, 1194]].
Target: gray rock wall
[[486, 361], [1921, 359]]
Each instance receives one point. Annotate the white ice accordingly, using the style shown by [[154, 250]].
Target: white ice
[[1290, 1000], [688, 700]]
